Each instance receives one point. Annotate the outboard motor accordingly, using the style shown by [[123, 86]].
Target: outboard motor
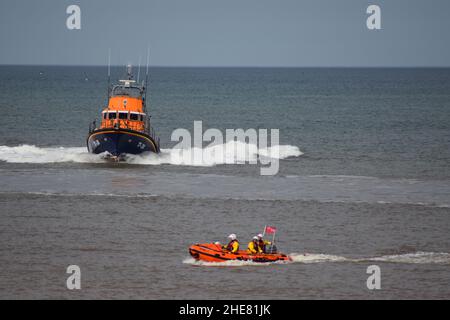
[[271, 248]]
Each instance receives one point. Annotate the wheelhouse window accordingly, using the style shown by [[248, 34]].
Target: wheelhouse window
[[132, 92], [134, 116], [112, 115], [105, 115], [123, 115]]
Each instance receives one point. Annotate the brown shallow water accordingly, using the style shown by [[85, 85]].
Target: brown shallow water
[[136, 247]]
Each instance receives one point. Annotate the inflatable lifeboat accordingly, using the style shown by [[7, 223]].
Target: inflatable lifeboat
[[211, 252]]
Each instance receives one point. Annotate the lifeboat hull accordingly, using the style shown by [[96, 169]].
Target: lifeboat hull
[[210, 252], [118, 142]]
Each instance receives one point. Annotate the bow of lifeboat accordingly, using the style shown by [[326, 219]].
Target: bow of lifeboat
[[211, 252], [120, 141]]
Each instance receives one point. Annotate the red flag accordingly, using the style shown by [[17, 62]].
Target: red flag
[[270, 230]]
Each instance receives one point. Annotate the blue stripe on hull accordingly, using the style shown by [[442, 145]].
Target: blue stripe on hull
[[118, 143]]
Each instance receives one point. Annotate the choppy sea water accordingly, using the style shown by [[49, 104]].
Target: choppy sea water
[[363, 180]]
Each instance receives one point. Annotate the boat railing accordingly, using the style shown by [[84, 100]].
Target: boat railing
[[92, 126], [151, 132]]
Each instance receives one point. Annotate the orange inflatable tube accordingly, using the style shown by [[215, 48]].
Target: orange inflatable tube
[[211, 252]]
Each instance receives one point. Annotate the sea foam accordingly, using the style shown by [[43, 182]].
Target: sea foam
[[234, 152]]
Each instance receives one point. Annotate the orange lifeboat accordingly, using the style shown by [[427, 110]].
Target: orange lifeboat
[[125, 125], [211, 252]]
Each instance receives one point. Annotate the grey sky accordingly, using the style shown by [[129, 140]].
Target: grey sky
[[227, 32]]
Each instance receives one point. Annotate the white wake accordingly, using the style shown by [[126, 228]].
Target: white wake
[[234, 152], [230, 263], [315, 258], [33, 154], [420, 257]]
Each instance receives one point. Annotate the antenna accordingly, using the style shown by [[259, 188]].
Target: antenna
[[146, 88], [109, 73], [146, 75], [109, 62], [139, 69], [129, 71]]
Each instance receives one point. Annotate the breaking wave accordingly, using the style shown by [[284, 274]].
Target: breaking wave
[[420, 257], [234, 152], [33, 154]]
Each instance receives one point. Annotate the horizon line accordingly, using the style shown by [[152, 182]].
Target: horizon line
[[238, 66]]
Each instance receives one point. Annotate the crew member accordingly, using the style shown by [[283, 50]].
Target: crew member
[[253, 246], [262, 243], [233, 245]]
